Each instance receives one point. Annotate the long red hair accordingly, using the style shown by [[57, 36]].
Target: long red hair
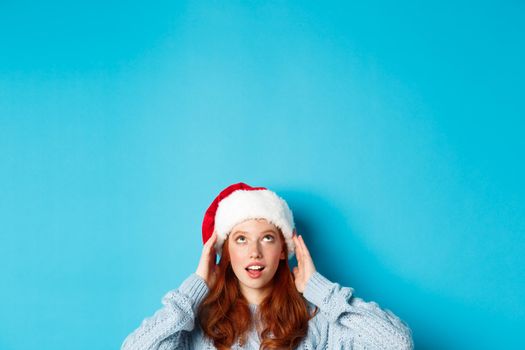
[[225, 316]]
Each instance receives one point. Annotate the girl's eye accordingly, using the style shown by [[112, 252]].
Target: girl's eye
[[269, 238], [240, 239]]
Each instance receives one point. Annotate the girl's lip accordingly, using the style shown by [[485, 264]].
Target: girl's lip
[[254, 273]]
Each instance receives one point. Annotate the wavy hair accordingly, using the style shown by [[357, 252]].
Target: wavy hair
[[225, 316]]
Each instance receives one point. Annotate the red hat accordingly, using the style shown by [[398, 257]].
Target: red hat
[[240, 202]]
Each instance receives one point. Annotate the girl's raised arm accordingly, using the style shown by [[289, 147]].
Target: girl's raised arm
[[169, 327], [345, 321]]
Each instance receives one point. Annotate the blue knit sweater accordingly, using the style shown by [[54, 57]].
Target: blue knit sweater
[[343, 321]]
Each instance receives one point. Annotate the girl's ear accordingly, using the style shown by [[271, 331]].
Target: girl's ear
[[282, 257]]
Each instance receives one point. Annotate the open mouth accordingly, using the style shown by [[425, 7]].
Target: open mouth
[[255, 268]]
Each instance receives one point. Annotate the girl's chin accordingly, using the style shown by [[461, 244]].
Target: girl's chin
[[255, 283], [255, 279]]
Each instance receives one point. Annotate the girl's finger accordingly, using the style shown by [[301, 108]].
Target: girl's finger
[[303, 246], [298, 252], [298, 246], [211, 241], [308, 259]]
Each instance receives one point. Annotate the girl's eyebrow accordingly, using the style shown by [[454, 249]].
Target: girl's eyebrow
[[244, 232], [236, 232]]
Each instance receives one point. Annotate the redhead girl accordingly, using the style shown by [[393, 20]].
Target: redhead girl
[[252, 300]]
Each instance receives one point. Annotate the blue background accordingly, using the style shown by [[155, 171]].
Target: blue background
[[393, 129]]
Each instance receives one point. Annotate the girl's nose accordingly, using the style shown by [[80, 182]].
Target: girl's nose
[[255, 250]]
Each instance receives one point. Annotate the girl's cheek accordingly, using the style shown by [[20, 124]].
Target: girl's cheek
[[235, 255]]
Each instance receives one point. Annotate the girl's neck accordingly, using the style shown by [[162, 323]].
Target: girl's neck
[[255, 296]]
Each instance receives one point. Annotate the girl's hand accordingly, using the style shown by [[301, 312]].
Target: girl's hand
[[207, 267], [305, 265]]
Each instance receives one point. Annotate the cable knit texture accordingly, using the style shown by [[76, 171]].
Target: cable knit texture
[[343, 321]]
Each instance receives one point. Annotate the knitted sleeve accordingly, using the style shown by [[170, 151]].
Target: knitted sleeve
[[347, 322], [168, 328]]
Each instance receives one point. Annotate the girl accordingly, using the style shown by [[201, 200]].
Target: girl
[[251, 299]]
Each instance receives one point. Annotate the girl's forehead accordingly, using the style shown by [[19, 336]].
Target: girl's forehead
[[255, 226]]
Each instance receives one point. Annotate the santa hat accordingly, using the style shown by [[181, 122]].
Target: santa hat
[[240, 202]]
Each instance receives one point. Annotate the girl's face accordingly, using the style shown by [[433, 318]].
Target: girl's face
[[255, 248]]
